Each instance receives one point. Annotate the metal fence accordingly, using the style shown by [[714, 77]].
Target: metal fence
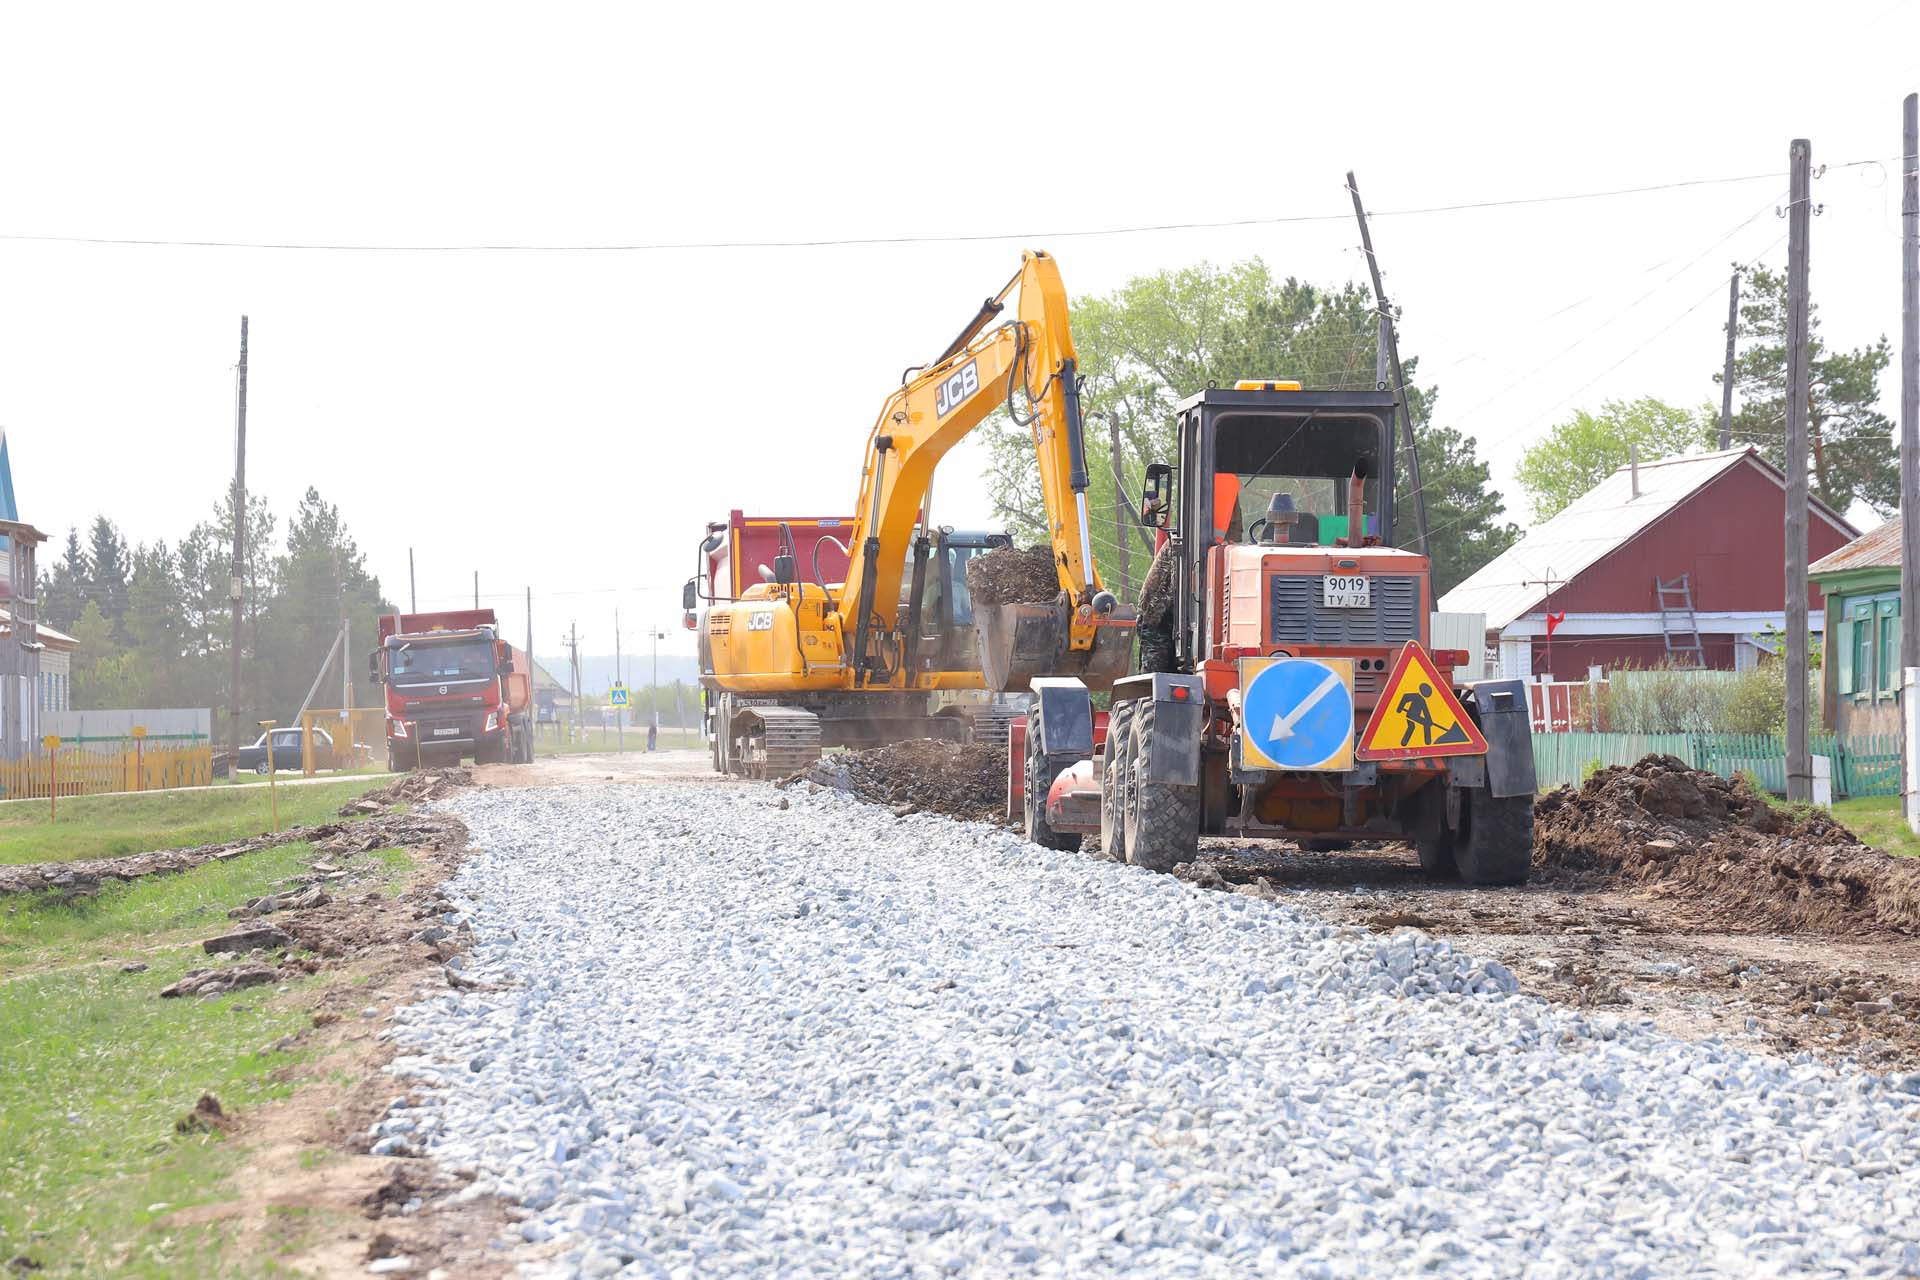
[[1863, 765]]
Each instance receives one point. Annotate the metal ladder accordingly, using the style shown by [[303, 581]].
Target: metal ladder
[[1676, 608]]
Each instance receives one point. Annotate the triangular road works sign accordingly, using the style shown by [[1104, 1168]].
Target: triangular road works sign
[[1417, 715]]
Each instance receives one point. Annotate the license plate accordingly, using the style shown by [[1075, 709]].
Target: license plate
[[453, 732], [1346, 591]]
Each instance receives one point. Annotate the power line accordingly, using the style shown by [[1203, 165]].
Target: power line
[[673, 246]]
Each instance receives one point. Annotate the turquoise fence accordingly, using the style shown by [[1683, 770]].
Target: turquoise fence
[[1865, 765]]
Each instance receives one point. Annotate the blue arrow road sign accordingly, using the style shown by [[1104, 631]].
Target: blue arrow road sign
[[1298, 713]]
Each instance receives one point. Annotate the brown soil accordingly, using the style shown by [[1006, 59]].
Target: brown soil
[[1682, 833], [960, 780], [1006, 575], [378, 829], [308, 1194]]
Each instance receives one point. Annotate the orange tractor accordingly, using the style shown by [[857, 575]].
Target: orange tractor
[[1292, 692]]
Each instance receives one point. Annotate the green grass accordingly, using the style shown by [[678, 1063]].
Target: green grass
[[135, 822], [1879, 821], [95, 1069], [596, 742]]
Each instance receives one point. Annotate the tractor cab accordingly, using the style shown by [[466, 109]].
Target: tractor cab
[[1281, 507]]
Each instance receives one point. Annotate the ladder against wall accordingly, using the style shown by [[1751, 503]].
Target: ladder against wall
[[1679, 627]]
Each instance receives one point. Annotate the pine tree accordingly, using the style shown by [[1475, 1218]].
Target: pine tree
[[107, 585], [63, 590]]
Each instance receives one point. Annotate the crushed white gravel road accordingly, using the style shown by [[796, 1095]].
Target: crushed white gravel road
[[729, 1039]]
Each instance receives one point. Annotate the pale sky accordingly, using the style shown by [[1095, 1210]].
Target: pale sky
[[569, 420]]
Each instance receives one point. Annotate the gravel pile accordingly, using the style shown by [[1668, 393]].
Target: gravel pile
[[713, 1037], [1717, 843], [1005, 575], [960, 780]]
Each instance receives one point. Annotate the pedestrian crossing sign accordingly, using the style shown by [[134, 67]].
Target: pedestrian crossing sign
[[617, 696], [1417, 715]]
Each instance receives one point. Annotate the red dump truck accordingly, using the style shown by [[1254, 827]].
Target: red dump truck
[[454, 690]]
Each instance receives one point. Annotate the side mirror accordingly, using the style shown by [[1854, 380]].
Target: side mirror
[[784, 572], [373, 668], [690, 595], [690, 622], [1156, 495]]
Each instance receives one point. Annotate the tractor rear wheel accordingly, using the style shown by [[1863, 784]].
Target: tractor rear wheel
[[1039, 777], [1162, 818], [1116, 757], [1497, 846]]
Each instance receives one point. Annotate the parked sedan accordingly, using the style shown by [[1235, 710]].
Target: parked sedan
[[286, 751]]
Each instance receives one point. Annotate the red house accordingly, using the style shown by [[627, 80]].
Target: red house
[[1680, 561]]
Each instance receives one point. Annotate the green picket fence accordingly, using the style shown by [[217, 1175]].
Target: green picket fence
[[1863, 765]]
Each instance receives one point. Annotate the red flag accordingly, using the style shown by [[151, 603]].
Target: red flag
[[1554, 620]]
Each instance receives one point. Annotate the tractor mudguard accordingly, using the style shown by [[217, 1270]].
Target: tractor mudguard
[[1500, 709], [1066, 717], [1179, 716]]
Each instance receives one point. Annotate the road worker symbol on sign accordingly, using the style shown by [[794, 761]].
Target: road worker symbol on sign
[[1417, 715]]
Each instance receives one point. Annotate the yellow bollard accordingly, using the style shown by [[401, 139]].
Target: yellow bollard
[[139, 757], [52, 742]]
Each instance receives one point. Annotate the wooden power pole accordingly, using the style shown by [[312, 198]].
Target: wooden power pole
[[1726, 379], [1799, 764], [1399, 383], [413, 596], [235, 587], [1909, 427]]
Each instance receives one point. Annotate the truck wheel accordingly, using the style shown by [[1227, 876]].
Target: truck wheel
[[1497, 846], [1436, 857], [1039, 778], [1115, 759], [1163, 820]]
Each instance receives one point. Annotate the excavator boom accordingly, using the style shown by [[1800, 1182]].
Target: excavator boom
[[1027, 365]]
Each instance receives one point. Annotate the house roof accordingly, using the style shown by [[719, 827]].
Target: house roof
[[543, 679], [1595, 525], [48, 636], [1878, 549]]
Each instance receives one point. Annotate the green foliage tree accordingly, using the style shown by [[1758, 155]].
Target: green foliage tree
[[1852, 455], [63, 589], [1588, 447], [107, 583], [1162, 337], [170, 646]]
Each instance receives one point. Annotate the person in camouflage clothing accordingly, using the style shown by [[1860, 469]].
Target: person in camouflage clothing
[[1156, 611]]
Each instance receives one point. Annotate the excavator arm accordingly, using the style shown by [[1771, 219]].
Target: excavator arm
[[1027, 365]]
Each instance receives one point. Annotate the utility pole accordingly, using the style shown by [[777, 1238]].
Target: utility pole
[[1399, 383], [413, 597], [476, 588], [1909, 433], [1726, 378], [573, 651], [533, 711], [1799, 764], [618, 678], [235, 586]]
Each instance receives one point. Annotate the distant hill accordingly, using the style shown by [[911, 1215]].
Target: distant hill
[[596, 670]]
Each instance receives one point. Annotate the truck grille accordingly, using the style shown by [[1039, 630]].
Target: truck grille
[[718, 623], [1298, 615]]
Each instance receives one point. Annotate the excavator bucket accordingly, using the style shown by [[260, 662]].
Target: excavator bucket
[[1021, 641]]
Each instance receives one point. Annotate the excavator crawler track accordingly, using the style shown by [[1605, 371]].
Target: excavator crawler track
[[779, 741]]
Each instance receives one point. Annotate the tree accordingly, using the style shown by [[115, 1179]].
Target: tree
[[1852, 454], [63, 591], [1464, 528], [104, 673], [107, 585], [321, 579], [1162, 337], [1587, 448]]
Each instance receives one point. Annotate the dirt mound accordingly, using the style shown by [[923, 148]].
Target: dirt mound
[[959, 780], [418, 787], [1686, 833], [1007, 575]]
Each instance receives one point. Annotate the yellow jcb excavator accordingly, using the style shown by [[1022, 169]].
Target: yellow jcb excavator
[[793, 665]]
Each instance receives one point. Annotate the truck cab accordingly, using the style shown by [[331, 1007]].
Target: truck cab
[[453, 690]]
